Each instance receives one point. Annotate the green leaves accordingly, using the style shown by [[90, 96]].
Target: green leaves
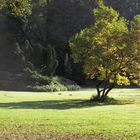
[[17, 7], [107, 49], [104, 15]]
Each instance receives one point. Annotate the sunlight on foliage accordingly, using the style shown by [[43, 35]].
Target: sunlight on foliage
[[108, 50], [17, 7]]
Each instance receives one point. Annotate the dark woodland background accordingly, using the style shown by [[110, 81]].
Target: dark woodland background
[[35, 48]]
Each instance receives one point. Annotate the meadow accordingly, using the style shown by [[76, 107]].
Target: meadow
[[69, 116]]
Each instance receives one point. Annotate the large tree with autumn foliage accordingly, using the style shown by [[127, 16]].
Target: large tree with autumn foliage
[[109, 50]]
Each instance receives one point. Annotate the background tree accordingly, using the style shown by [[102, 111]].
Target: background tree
[[104, 52], [17, 8]]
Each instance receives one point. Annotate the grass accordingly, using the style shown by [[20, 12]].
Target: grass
[[69, 115]]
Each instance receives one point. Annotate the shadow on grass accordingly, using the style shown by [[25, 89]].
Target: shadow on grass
[[57, 104]]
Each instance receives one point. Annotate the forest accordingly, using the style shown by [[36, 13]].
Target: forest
[[34, 41]]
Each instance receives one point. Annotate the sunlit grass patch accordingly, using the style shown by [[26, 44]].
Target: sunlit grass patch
[[70, 114]]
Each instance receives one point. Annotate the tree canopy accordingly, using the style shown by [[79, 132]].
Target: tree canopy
[[17, 7], [109, 50]]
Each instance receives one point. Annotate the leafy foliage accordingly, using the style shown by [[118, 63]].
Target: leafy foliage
[[108, 50], [43, 83], [17, 7]]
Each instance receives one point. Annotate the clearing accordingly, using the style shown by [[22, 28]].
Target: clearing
[[69, 116]]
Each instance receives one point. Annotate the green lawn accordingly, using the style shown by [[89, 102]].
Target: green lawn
[[69, 115]]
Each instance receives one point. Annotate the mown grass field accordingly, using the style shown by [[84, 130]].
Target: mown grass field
[[69, 116]]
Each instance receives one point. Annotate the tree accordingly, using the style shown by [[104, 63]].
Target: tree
[[17, 7], [134, 50], [127, 8], [108, 51]]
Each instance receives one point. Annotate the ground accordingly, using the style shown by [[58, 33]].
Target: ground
[[69, 116]]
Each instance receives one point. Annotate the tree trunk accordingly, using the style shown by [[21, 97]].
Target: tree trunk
[[102, 92]]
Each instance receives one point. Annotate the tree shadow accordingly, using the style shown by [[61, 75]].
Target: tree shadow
[[57, 104]]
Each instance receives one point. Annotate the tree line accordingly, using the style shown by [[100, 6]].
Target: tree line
[[43, 29]]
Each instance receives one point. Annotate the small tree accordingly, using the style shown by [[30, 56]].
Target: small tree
[[52, 62], [108, 50]]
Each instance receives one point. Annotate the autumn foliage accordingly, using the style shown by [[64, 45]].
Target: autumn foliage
[[109, 50]]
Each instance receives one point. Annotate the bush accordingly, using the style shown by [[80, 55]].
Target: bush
[[43, 83], [106, 99], [72, 87], [36, 76], [69, 84], [52, 87]]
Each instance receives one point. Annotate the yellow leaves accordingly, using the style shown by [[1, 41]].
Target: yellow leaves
[[122, 80], [108, 50], [2, 4], [106, 14], [90, 71], [17, 7], [100, 41], [21, 8], [111, 80], [102, 72], [137, 82]]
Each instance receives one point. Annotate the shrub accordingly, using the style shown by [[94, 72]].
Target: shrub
[[106, 99], [69, 84], [52, 87], [43, 83], [36, 76], [73, 87]]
